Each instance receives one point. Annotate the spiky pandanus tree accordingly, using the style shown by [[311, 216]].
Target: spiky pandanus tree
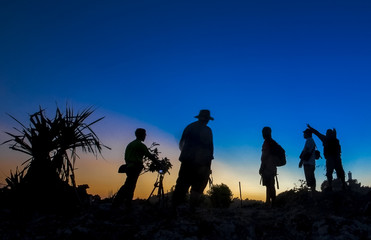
[[52, 145]]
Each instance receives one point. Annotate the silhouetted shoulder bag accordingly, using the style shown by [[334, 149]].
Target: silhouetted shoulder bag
[[318, 154], [122, 168], [279, 155]]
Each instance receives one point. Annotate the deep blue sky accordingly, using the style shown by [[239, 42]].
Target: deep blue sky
[[252, 63]]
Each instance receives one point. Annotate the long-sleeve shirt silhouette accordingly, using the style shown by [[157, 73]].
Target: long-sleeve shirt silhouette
[[196, 144], [331, 145], [134, 153]]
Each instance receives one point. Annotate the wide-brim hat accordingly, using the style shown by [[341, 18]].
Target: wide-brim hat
[[204, 114]]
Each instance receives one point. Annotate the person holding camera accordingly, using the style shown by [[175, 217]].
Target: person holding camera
[[134, 154]]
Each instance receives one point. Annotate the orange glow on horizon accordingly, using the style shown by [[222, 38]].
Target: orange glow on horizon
[[107, 181], [103, 179]]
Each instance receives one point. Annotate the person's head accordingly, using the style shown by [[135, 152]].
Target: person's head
[[307, 133], [331, 133], [267, 132], [204, 116], [140, 133]]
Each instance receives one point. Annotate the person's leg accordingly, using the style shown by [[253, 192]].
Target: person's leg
[[131, 182], [182, 185], [126, 192], [199, 183], [119, 198], [329, 171], [309, 176], [267, 195], [340, 172], [269, 182], [314, 181], [306, 174], [273, 192]]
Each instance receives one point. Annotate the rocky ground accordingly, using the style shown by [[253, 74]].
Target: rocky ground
[[298, 215]]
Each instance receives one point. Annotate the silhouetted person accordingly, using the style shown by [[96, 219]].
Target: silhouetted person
[[308, 159], [134, 154], [332, 153], [268, 169], [197, 152]]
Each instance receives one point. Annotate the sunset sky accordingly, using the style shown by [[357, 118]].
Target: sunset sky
[[155, 64]]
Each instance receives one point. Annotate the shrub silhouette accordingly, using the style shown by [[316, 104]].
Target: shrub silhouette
[[220, 196], [52, 145]]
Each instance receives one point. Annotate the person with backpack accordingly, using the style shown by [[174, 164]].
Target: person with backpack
[[308, 159], [332, 153], [272, 156]]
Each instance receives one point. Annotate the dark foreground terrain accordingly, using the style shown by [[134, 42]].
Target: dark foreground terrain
[[298, 215]]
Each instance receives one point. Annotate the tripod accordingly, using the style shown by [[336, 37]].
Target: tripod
[[158, 184]]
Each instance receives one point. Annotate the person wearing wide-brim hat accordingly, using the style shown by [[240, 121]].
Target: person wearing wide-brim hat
[[197, 152], [204, 115]]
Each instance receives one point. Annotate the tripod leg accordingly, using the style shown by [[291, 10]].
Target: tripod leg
[[160, 190], [156, 185], [151, 193]]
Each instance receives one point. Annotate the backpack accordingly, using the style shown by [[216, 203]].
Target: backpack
[[280, 155], [317, 154]]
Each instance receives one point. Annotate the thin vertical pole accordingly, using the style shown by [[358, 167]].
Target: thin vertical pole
[[240, 193]]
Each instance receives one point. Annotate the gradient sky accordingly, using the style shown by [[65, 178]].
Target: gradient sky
[[155, 64]]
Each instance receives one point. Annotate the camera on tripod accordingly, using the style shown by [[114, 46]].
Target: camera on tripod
[[160, 166]]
